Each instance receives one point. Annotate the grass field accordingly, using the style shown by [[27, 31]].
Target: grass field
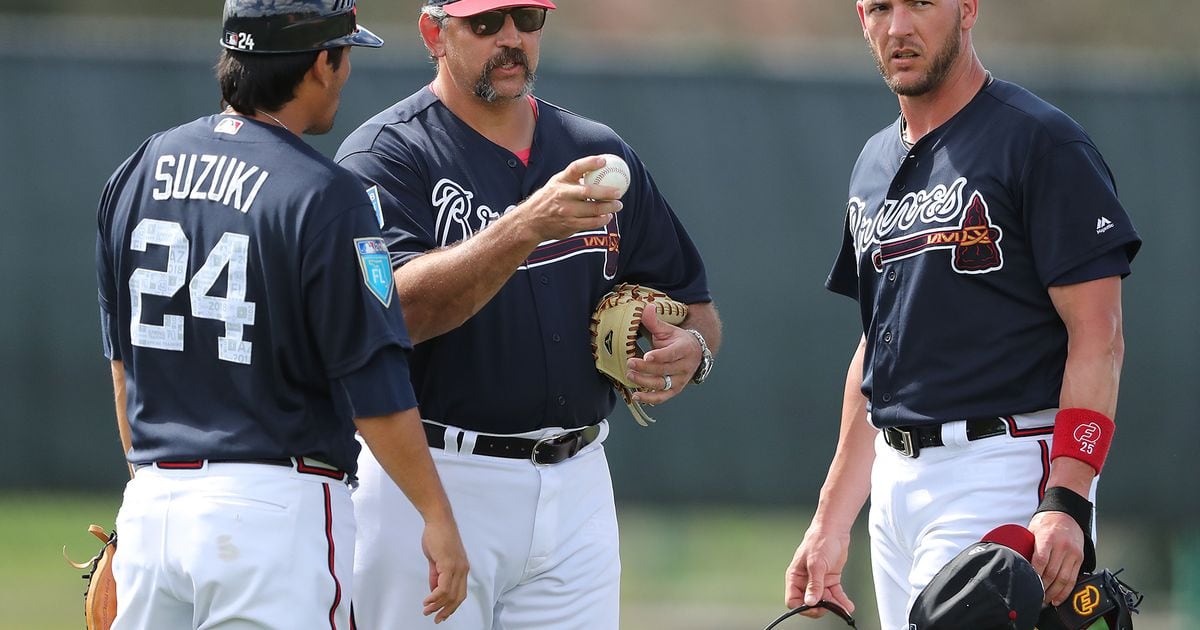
[[702, 569], [682, 569]]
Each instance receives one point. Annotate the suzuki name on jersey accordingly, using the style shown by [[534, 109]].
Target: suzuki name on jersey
[[217, 178]]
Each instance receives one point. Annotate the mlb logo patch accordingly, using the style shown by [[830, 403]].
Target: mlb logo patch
[[229, 125], [376, 268]]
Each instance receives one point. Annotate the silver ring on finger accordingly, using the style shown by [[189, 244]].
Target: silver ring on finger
[[667, 384]]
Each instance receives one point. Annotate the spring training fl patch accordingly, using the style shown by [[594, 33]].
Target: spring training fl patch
[[376, 268]]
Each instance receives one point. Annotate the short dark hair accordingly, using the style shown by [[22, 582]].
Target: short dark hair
[[259, 81]]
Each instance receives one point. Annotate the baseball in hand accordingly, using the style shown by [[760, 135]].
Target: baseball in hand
[[614, 174]]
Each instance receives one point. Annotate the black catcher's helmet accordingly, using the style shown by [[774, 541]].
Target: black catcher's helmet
[[290, 26]]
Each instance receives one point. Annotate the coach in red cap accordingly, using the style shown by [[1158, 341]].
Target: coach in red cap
[[500, 255]]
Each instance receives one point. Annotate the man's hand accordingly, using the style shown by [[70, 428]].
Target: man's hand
[[447, 569], [564, 206], [816, 573], [676, 354], [1057, 554]]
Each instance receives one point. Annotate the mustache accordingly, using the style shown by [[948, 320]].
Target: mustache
[[506, 56]]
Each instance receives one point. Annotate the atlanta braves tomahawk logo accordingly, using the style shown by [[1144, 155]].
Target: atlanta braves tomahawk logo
[[458, 219], [971, 237]]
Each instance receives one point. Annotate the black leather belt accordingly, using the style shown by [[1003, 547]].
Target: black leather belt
[[910, 440], [548, 450]]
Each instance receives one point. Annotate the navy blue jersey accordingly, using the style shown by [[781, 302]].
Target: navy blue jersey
[[524, 361], [244, 284], [950, 247]]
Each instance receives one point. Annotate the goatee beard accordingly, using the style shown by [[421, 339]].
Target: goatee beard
[[486, 91]]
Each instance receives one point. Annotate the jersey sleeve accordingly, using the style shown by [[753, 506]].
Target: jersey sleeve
[[1114, 263], [656, 250], [349, 293], [1072, 212], [106, 289], [372, 390], [407, 225], [843, 278]]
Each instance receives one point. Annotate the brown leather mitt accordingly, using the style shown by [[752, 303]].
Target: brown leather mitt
[[616, 325], [100, 598]]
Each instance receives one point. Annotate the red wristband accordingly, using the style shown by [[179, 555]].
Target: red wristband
[[1084, 435]]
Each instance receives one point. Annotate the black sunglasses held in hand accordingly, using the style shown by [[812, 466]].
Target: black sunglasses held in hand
[[826, 604], [526, 19]]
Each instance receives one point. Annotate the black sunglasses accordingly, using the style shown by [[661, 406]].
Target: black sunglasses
[[827, 605], [526, 19]]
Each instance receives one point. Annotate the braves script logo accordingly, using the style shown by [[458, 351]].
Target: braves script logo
[[1087, 435], [974, 241], [459, 219], [1085, 601]]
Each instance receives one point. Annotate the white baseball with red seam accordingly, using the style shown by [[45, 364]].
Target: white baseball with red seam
[[614, 174]]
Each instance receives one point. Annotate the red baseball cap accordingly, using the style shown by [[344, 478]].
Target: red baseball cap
[[467, 8]]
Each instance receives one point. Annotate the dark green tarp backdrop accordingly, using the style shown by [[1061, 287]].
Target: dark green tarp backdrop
[[755, 165]]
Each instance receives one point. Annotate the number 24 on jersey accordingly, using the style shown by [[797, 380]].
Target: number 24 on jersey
[[231, 251]]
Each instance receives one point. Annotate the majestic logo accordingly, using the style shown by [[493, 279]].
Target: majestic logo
[[376, 268], [1085, 601], [459, 219], [974, 241], [1103, 225]]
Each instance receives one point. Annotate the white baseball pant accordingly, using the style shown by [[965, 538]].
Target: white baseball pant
[[925, 510], [234, 546], [542, 542]]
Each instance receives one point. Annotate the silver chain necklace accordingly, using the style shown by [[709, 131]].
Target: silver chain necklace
[[280, 122]]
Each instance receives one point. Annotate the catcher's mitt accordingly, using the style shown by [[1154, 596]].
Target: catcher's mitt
[[616, 325], [1096, 596], [100, 597]]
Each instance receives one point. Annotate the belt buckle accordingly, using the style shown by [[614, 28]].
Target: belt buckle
[[556, 440], [910, 448]]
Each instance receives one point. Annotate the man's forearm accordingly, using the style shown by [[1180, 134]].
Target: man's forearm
[[118, 377], [1091, 312], [848, 483], [398, 443], [443, 288]]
